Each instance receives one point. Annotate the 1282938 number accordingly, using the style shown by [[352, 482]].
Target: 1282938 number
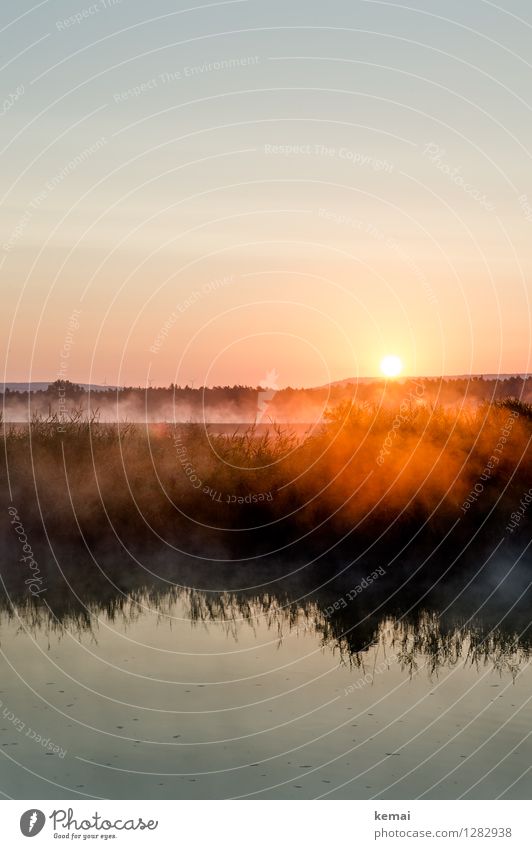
[[489, 831]]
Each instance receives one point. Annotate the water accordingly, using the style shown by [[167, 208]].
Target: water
[[160, 692]]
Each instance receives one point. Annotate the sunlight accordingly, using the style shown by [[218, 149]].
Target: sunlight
[[391, 366]]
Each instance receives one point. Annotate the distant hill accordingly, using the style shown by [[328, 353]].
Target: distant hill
[[405, 378], [42, 387]]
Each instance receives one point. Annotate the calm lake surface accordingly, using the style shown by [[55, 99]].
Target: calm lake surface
[[264, 694]]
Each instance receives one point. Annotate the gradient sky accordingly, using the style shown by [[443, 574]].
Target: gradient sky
[[141, 187]]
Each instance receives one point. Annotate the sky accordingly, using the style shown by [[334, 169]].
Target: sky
[[235, 192]]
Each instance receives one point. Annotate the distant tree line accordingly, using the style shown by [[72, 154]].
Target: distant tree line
[[230, 402]]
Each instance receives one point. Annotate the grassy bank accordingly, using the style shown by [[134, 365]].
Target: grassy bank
[[367, 473]]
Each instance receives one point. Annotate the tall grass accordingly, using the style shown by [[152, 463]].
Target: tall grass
[[365, 471]]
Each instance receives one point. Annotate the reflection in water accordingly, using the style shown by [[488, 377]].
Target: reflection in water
[[159, 685], [443, 629]]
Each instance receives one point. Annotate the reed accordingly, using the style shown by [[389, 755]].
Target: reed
[[365, 471]]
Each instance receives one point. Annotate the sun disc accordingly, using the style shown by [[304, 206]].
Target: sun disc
[[391, 366]]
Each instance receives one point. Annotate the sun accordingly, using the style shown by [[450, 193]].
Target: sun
[[391, 366]]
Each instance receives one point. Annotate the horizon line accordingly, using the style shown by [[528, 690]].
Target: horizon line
[[492, 376]]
